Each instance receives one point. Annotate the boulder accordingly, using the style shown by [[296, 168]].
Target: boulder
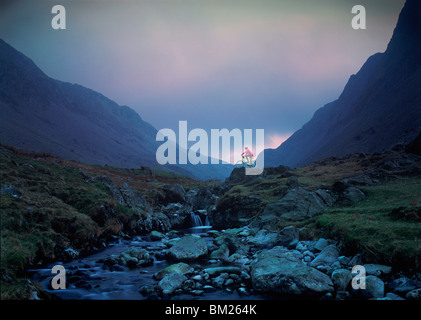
[[298, 204], [153, 221], [321, 244], [171, 282], [219, 281], [374, 287], [204, 198], [174, 193], [288, 235], [264, 239], [341, 279], [377, 270], [234, 211], [393, 296], [181, 267], [135, 257], [403, 285], [233, 242], [353, 194], [156, 235], [224, 269], [414, 295], [328, 197], [188, 248], [328, 256], [221, 253], [278, 271], [134, 199]]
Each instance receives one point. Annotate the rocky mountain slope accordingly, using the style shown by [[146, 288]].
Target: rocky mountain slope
[[40, 114], [379, 107]]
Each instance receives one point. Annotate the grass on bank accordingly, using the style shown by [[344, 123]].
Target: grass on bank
[[57, 209], [385, 227]]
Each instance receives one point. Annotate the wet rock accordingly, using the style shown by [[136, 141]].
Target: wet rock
[[239, 259], [374, 288], [288, 235], [173, 234], [393, 296], [234, 211], [356, 260], [229, 282], [70, 253], [153, 221], [219, 281], [197, 277], [341, 279], [197, 292], [328, 256], [131, 262], [181, 267], [204, 198], [156, 235], [278, 270], [234, 243], [377, 269], [414, 295], [188, 248], [321, 244], [242, 291], [222, 253], [147, 291], [135, 257], [208, 288], [171, 282], [224, 269], [264, 239], [298, 204], [344, 261], [403, 285], [342, 295], [188, 285]]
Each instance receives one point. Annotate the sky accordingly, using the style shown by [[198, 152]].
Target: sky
[[247, 64]]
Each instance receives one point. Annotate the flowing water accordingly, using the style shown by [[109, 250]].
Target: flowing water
[[98, 283]]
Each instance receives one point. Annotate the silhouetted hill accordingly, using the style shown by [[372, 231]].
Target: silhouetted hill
[[41, 114], [379, 107]]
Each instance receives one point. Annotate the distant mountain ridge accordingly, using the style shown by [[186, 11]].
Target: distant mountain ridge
[[40, 114], [379, 107]]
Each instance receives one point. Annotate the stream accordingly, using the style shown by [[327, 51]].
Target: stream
[[87, 279]]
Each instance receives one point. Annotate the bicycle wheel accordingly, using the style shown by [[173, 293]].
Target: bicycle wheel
[[239, 164]]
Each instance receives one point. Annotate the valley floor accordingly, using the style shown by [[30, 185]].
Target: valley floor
[[308, 227]]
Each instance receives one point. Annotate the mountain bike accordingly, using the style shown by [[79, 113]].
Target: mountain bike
[[243, 163]]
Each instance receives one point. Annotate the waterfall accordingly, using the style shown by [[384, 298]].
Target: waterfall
[[195, 219], [207, 223]]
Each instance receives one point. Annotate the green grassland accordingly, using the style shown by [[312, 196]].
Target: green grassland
[[385, 227], [59, 209]]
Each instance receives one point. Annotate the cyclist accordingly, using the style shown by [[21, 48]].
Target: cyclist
[[248, 155]]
